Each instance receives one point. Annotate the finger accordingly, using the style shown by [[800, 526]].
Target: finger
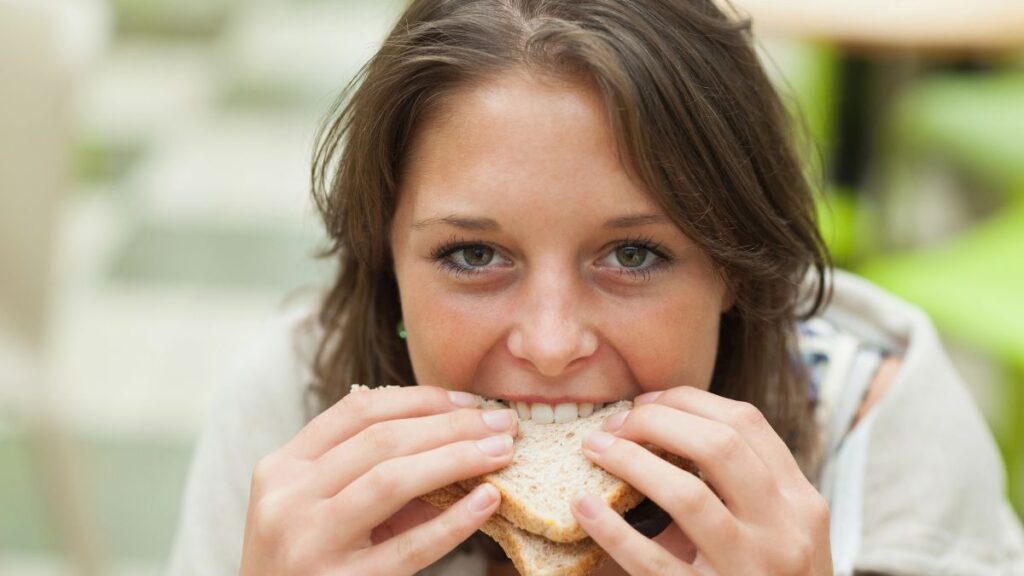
[[395, 438], [360, 409], [744, 417], [388, 486], [677, 543], [413, 514], [636, 553], [425, 544], [689, 501], [723, 455]]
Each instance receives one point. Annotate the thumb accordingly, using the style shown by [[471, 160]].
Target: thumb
[[413, 514]]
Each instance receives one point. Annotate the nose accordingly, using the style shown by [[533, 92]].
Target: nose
[[552, 331]]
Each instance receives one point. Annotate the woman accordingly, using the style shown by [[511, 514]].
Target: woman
[[576, 202]]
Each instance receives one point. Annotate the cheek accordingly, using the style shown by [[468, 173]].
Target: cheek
[[671, 343], [449, 336]]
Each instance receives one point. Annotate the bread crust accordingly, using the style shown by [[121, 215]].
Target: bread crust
[[532, 555]]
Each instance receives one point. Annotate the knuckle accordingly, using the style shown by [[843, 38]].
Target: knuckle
[[821, 515], [640, 414], [614, 538], [413, 552], [748, 416], [357, 404], [269, 515], [693, 502], [796, 557], [264, 472], [725, 525], [725, 443], [453, 422], [297, 558], [434, 397], [683, 393], [381, 438], [640, 419], [437, 395], [383, 480], [660, 564]]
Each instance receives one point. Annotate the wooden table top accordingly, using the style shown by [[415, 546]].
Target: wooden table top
[[944, 26]]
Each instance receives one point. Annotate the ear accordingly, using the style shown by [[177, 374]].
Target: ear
[[728, 298]]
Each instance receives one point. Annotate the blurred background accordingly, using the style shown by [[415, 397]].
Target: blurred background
[[155, 214]]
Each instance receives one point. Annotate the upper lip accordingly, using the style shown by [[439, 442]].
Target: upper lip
[[553, 401]]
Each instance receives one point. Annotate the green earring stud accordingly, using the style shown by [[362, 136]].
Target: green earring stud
[[401, 330]]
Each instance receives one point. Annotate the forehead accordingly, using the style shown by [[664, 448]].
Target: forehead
[[521, 137]]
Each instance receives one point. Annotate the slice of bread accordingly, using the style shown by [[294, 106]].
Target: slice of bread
[[531, 555], [534, 524], [548, 470]]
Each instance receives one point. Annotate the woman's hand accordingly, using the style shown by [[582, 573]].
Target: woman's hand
[[340, 497], [766, 518]]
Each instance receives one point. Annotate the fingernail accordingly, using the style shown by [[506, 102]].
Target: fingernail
[[614, 422], [464, 399], [588, 505], [499, 445], [482, 497], [498, 420], [647, 398], [598, 441]]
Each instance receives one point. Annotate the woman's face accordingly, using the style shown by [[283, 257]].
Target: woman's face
[[533, 268]]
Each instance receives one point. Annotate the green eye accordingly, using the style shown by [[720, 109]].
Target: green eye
[[631, 256], [478, 255]]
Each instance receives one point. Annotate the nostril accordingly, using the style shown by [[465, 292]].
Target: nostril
[[552, 353], [515, 344]]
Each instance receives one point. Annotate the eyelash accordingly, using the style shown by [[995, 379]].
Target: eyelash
[[442, 252], [643, 275]]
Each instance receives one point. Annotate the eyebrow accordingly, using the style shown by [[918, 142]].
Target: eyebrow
[[632, 220], [470, 223], [464, 222]]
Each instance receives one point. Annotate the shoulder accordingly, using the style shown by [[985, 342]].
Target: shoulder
[[918, 482], [256, 406], [268, 380], [863, 339], [878, 385], [875, 353]]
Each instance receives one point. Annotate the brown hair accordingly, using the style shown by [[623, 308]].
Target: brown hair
[[691, 108]]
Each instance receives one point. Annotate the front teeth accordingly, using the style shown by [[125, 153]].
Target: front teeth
[[566, 412], [546, 413], [542, 413]]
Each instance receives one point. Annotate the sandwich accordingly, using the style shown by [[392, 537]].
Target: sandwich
[[534, 524]]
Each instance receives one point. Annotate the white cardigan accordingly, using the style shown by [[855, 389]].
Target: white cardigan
[[916, 488]]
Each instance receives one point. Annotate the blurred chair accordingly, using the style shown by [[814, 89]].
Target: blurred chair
[[973, 288], [806, 75], [43, 48], [972, 123], [973, 285], [973, 119]]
